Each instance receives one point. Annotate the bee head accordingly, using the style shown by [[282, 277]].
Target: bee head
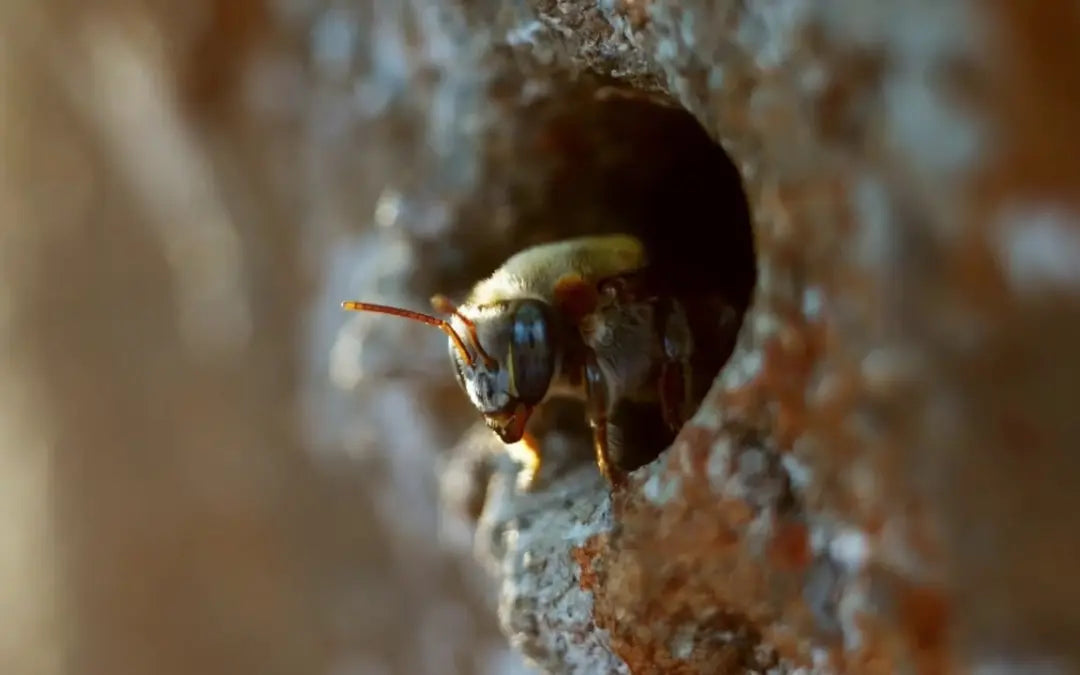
[[504, 355], [504, 359]]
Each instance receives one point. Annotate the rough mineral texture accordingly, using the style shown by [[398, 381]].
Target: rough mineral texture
[[206, 468], [880, 481]]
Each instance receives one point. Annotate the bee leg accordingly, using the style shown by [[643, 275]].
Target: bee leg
[[673, 393], [675, 373], [597, 403], [527, 453]]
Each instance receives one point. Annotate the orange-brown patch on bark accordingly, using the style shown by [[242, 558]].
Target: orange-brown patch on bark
[[790, 547]]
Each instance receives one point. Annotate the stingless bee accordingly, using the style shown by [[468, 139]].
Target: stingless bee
[[594, 318]]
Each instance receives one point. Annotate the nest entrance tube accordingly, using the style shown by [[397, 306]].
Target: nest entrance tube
[[606, 158], [594, 156], [598, 157]]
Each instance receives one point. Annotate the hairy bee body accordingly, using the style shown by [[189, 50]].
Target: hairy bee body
[[536, 271], [563, 275], [622, 341], [633, 326]]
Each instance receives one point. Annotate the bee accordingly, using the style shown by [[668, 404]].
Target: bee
[[596, 318]]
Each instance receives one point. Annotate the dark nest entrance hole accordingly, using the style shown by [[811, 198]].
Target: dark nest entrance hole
[[595, 156]]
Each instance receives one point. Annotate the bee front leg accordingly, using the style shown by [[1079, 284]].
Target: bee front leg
[[675, 373], [673, 331], [597, 405]]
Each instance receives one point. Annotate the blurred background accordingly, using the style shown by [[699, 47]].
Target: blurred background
[[193, 477]]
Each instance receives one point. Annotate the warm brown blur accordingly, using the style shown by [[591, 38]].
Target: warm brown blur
[[160, 509]]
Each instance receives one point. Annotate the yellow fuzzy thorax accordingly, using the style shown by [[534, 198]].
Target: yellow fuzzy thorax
[[535, 271]]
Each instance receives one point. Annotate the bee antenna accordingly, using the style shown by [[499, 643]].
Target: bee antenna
[[441, 324], [444, 305]]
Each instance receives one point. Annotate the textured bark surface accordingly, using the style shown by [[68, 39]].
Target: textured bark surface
[[879, 481], [206, 468]]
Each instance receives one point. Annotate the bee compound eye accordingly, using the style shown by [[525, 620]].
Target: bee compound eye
[[532, 357]]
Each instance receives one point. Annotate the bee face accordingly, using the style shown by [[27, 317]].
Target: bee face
[[510, 367]]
